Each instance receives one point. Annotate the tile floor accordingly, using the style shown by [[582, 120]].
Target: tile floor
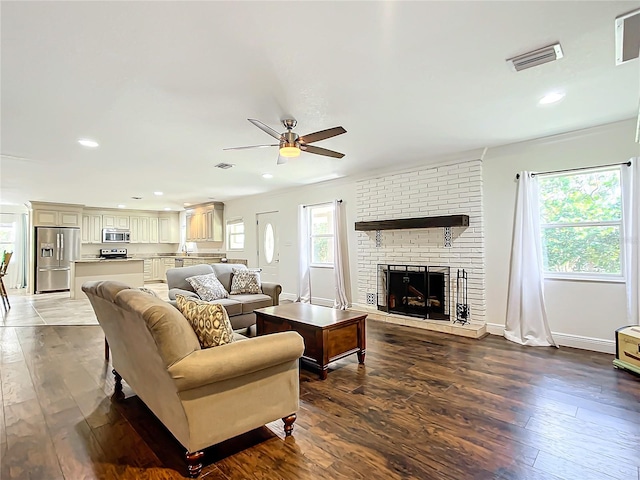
[[54, 308]]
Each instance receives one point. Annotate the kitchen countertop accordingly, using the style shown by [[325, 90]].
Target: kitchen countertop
[[96, 260]]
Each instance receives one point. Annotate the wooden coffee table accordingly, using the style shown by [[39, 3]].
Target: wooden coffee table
[[329, 334]]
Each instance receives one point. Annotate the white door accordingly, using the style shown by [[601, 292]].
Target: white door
[[268, 249]]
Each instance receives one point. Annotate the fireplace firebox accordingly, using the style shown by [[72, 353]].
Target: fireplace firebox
[[414, 290]]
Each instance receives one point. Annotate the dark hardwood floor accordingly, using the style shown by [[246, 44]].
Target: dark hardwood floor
[[425, 406]]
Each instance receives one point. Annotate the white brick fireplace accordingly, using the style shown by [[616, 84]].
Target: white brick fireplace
[[454, 189]]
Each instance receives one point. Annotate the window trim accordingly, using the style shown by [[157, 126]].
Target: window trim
[[231, 223], [588, 276], [313, 264]]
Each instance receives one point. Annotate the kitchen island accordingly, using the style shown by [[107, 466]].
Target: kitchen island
[[125, 270]]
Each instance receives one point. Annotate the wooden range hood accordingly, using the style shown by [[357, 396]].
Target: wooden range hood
[[410, 223]]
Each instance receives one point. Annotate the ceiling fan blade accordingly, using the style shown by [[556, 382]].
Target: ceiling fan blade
[[322, 134], [251, 146], [281, 160], [265, 128], [321, 151]]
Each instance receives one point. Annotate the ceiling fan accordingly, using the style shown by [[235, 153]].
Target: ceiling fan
[[291, 144]]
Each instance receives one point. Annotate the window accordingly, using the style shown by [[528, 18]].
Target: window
[[321, 229], [581, 224], [235, 234], [7, 236]]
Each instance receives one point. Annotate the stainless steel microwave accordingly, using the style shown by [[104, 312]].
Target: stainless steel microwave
[[115, 235]]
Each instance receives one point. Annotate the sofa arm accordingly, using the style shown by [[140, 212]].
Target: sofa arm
[[178, 291], [211, 365], [273, 290]]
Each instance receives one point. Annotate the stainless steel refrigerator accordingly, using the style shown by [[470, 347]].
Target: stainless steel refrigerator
[[56, 248]]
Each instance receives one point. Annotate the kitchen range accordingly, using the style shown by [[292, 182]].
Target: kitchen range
[[113, 253]]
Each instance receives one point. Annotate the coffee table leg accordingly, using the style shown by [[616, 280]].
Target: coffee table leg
[[323, 373], [361, 354]]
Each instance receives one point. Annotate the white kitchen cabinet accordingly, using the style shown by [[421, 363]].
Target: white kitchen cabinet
[[148, 269], [168, 263], [84, 229], [139, 229], [157, 268], [134, 230], [144, 229], [116, 221], [91, 230], [56, 218], [205, 223], [153, 229], [215, 230], [191, 223], [169, 229]]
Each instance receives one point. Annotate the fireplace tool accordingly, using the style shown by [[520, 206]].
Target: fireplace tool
[[462, 304]]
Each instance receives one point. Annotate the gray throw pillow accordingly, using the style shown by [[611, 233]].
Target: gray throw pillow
[[208, 287], [245, 281]]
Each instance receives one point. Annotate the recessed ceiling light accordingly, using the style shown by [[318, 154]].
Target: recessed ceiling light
[[186, 204], [87, 142], [552, 97], [158, 193], [167, 208], [121, 206], [267, 175]]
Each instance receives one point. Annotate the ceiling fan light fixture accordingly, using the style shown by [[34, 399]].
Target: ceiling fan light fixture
[[289, 151]]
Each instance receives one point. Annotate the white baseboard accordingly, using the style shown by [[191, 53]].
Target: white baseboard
[[325, 302], [568, 340], [288, 296]]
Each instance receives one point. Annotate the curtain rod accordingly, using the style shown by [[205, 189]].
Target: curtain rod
[[316, 204], [628, 164]]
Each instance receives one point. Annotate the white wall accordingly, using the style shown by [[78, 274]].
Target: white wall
[[286, 203], [581, 314]]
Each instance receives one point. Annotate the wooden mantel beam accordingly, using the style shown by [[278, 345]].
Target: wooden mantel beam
[[409, 223]]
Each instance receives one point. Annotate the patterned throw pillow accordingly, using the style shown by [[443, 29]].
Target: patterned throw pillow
[[209, 320], [245, 281], [208, 287]]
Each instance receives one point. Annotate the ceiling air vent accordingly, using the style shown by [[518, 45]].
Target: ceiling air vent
[[627, 37], [535, 58], [224, 166]]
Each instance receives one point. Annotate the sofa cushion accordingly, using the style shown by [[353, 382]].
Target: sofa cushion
[[177, 277], [232, 306], [251, 302], [208, 287], [209, 320], [245, 281], [224, 272]]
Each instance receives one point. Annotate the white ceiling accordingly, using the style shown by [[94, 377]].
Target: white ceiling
[[165, 86]]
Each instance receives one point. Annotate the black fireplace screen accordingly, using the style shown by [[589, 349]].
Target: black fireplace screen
[[417, 291]]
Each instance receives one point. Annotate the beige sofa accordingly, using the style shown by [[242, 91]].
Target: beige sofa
[[202, 396], [239, 307]]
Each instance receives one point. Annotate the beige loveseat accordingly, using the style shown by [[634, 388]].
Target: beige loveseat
[[239, 307], [202, 396]]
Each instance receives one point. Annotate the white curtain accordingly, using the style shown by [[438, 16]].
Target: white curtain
[[16, 276], [631, 237], [339, 252], [526, 322], [304, 277]]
